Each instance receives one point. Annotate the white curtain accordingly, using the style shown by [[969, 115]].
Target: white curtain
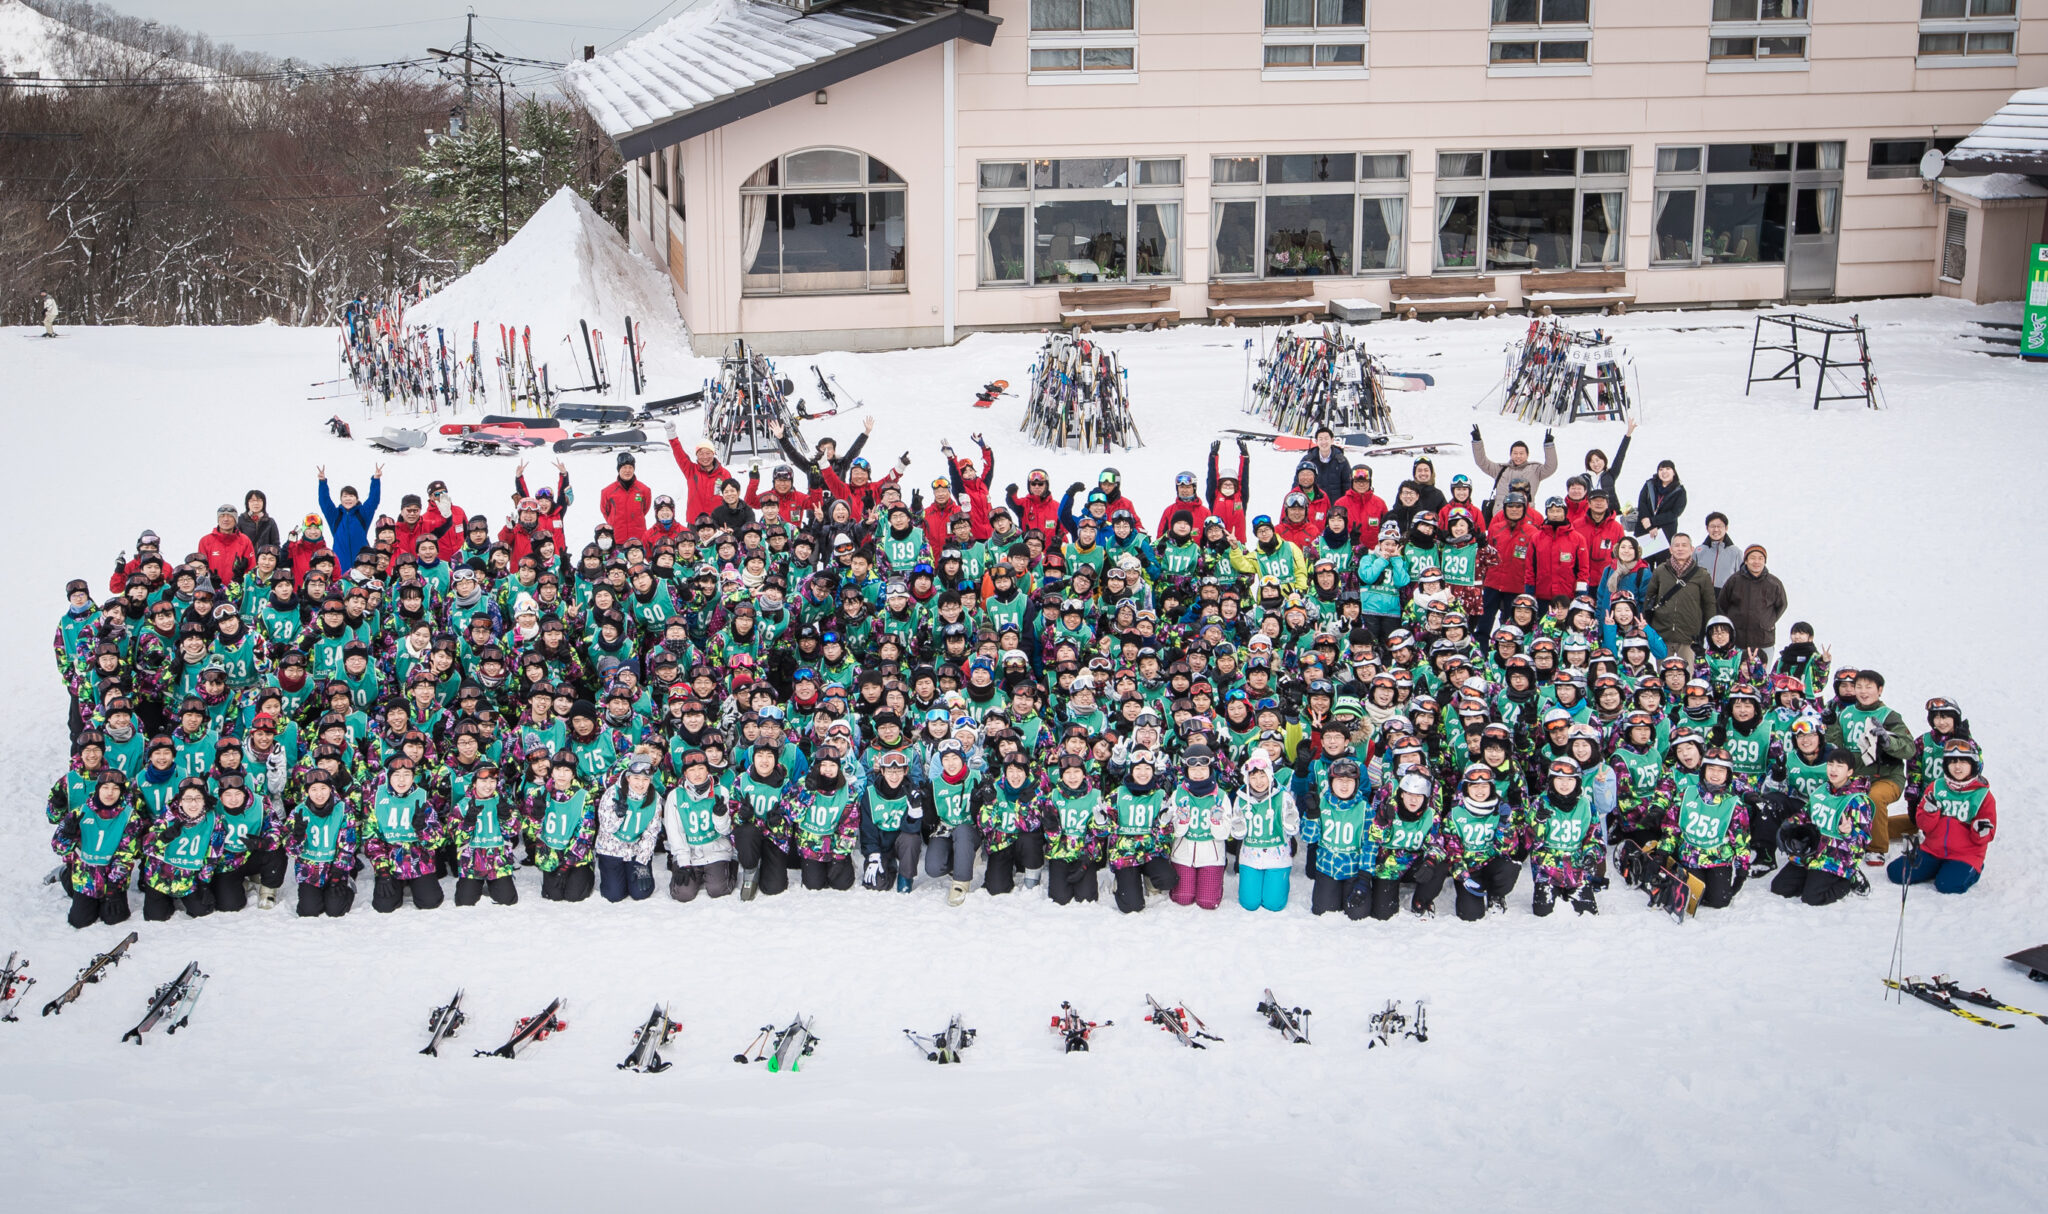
[[1393, 211], [1169, 234], [1444, 207], [1830, 202], [990, 271], [1610, 213], [1108, 14], [1290, 12], [753, 220], [1831, 157]]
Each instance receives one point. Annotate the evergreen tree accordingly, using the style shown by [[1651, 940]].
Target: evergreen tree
[[455, 210]]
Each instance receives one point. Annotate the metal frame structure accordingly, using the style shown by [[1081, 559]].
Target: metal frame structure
[[1828, 331]]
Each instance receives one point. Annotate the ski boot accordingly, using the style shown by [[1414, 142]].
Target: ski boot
[[266, 897], [750, 883], [1496, 904], [1422, 912], [1030, 876], [1583, 903], [903, 884], [957, 894]]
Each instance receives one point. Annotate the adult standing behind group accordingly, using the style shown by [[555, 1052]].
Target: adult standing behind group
[[348, 521], [1605, 474], [1681, 598], [1518, 473], [1754, 599], [1660, 504]]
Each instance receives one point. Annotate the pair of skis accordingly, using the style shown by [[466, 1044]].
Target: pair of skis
[[14, 984], [171, 1007], [1186, 1027], [1290, 1022], [529, 1030], [93, 971], [782, 1049], [1390, 1024], [1076, 1030], [645, 1057], [833, 404], [1945, 993], [945, 1045]]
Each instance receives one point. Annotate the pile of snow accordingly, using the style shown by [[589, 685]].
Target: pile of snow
[[32, 44], [563, 266]]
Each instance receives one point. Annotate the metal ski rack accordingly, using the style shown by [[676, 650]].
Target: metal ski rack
[[1827, 367], [739, 405]]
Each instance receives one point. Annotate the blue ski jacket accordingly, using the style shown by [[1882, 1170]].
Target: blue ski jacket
[[349, 530]]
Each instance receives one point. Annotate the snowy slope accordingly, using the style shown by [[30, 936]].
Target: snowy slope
[[562, 266], [31, 43], [1585, 1064]]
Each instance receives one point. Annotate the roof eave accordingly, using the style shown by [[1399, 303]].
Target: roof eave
[[1966, 163], [957, 24]]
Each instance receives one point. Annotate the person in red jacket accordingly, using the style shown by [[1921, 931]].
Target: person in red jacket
[[1227, 493], [146, 545], [938, 517], [1185, 499], [1301, 520], [1111, 485], [1601, 531], [1557, 565], [228, 552], [523, 530], [306, 542], [1957, 818], [1513, 541], [626, 501], [1362, 506], [794, 505], [1037, 510], [701, 476], [972, 487], [552, 505]]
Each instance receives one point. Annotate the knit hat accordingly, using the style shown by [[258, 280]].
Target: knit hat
[[1756, 548]]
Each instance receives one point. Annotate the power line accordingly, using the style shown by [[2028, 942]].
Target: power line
[[643, 25]]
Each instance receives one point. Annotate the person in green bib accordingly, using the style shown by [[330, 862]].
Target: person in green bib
[[1881, 741], [178, 855], [1337, 826], [252, 846], [1566, 845], [1822, 846], [74, 789], [322, 839], [1407, 844], [1197, 818], [99, 841], [1263, 821], [1139, 848], [628, 827], [1707, 828], [1478, 839], [400, 837], [1010, 826], [483, 829], [958, 795], [697, 822], [561, 823], [1957, 817], [826, 824], [892, 817], [1075, 822]]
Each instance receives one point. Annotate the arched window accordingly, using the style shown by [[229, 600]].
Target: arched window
[[823, 221]]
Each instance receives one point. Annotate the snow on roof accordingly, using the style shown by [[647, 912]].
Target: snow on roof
[[710, 52], [2018, 133], [565, 264], [1995, 187], [722, 51]]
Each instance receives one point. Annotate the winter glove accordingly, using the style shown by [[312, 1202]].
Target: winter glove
[[668, 429], [903, 460], [871, 874], [917, 501], [121, 561], [753, 469], [1010, 489], [1076, 487], [1215, 445], [420, 816], [1475, 432], [1867, 745], [1983, 827], [1547, 440]]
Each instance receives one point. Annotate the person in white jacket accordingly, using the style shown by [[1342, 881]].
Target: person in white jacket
[[1198, 816], [628, 824], [1264, 821], [46, 303], [697, 821]]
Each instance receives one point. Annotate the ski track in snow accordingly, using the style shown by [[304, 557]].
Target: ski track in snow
[[1605, 1063]]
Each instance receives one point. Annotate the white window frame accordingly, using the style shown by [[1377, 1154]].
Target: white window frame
[[1083, 41], [2008, 24], [1760, 29], [1359, 36], [861, 185], [1699, 180], [1581, 183], [1540, 32], [1358, 189], [1132, 195]]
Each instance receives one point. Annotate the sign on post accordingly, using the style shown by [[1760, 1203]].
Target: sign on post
[[2034, 318]]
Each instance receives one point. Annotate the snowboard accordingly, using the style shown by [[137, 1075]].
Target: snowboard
[[1406, 381], [2033, 960], [394, 439], [90, 974], [603, 415], [672, 404], [617, 440], [500, 422]]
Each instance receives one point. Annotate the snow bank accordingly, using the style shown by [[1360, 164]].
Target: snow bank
[[566, 265], [32, 44]]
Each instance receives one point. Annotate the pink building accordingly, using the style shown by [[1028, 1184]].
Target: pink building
[[878, 173]]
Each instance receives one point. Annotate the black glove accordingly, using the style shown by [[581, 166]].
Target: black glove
[[299, 831], [1547, 440], [420, 814], [917, 501], [1475, 432], [1215, 445], [1076, 487], [1010, 489]]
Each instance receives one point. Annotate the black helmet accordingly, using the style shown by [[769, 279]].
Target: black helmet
[[1800, 841]]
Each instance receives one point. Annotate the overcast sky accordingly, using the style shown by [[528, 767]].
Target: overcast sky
[[371, 31]]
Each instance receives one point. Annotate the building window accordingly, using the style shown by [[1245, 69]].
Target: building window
[[1758, 35], [1540, 37], [1732, 204], [825, 221], [1534, 209], [1304, 215], [1968, 33], [1079, 219], [1316, 38], [1901, 157], [1954, 244], [1083, 39]]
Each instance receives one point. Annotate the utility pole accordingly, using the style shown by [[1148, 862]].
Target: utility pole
[[468, 44], [469, 64]]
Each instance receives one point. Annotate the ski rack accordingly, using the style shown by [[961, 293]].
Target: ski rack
[[1557, 374], [1320, 379], [741, 403], [1827, 367]]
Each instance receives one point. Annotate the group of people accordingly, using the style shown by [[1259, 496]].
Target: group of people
[[1380, 700]]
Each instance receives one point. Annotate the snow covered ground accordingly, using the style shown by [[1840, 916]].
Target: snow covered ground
[[1609, 1063]]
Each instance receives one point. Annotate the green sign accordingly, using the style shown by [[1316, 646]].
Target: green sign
[[2034, 320]]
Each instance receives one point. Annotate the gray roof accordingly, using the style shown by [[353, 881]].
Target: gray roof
[[727, 59], [2013, 140]]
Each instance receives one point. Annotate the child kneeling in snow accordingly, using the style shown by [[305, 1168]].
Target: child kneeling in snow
[[1957, 817], [1198, 817]]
